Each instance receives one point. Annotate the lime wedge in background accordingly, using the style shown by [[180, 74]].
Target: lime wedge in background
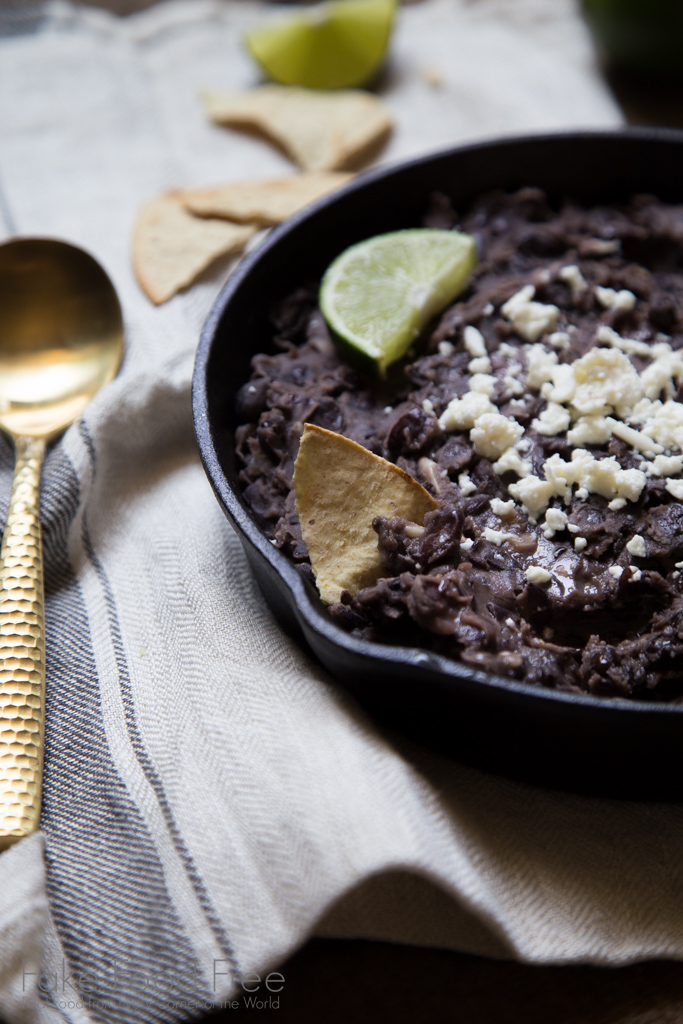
[[379, 294], [335, 45]]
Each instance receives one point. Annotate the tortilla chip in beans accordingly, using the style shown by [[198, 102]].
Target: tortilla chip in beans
[[339, 488]]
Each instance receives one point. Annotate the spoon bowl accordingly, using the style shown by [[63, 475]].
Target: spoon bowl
[[60, 334], [61, 339]]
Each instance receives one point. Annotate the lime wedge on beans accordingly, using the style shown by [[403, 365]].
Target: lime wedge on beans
[[378, 295], [336, 45]]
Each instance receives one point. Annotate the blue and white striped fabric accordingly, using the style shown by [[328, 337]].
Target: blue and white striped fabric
[[211, 798]]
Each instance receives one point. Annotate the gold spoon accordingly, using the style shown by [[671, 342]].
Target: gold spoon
[[61, 338]]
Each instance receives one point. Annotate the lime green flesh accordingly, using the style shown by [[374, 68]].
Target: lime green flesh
[[336, 45], [378, 295]]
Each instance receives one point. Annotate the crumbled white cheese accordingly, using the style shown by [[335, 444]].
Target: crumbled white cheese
[[510, 622], [559, 339], [629, 483], [675, 487], [664, 373], [616, 504], [466, 543], [606, 477], [428, 406], [414, 530], [482, 364], [665, 465], [637, 547], [572, 527], [512, 462], [502, 509], [466, 484], [616, 571], [460, 413], [482, 383], [611, 299], [535, 574], [579, 543], [530, 319], [608, 336], [636, 574], [603, 246], [430, 472], [572, 276], [498, 537], [488, 309], [641, 442], [662, 421], [606, 380], [593, 430], [563, 475], [533, 494], [446, 348], [540, 366], [553, 420], [493, 434], [563, 384], [555, 522], [388, 408], [507, 350], [513, 384], [474, 342], [596, 476]]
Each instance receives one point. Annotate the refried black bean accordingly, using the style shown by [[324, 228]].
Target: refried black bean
[[610, 623]]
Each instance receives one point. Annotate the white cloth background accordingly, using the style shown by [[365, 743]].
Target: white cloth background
[[211, 797]]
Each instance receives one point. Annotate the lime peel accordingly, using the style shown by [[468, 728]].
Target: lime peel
[[379, 294], [335, 45]]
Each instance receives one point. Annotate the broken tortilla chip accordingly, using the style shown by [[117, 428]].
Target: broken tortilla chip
[[263, 202], [171, 247], [340, 487], [320, 130]]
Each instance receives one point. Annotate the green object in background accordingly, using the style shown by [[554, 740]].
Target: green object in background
[[336, 45], [640, 35], [378, 295]]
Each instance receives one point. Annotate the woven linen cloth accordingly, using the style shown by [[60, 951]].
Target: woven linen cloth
[[211, 797]]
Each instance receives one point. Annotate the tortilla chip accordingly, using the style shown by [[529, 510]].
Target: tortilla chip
[[340, 487], [263, 202], [320, 130], [171, 247]]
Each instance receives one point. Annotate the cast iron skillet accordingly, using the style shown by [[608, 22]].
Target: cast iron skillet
[[587, 744]]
